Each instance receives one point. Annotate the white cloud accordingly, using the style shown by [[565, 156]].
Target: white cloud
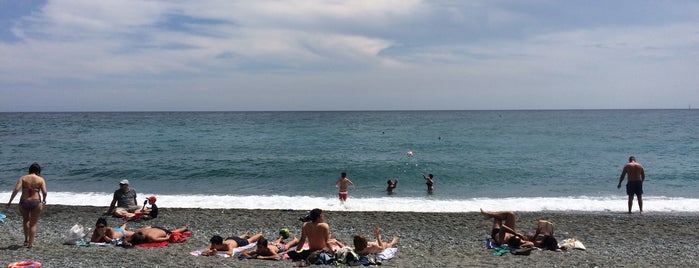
[[456, 55]]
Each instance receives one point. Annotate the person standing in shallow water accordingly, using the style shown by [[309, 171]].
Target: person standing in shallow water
[[636, 175], [30, 202], [341, 185], [429, 180]]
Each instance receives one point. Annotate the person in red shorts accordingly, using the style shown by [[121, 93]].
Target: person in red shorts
[[341, 184]]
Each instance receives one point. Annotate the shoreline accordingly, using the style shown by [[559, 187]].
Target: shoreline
[[425, 239]]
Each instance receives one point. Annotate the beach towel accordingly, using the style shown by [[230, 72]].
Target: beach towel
[[88, 244], [25, 264], [153, 244], [498, 248], [236, 251], [387, 254]]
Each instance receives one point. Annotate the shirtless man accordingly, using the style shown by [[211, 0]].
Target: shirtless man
[[317, 232], [151, 234], [342, 185], [227, 246], [635, 184]]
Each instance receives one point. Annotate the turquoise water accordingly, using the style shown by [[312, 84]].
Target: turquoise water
[[474, 155]]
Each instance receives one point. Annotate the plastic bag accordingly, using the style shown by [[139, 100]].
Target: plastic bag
[[74, 235]]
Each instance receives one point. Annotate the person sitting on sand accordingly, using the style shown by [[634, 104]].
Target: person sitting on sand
[[317, 232], [124, 200], [503, 231], [150, 234], [363, 247], [270, 250], [104, 234], [391, 185], [145, 213], [232, 242]]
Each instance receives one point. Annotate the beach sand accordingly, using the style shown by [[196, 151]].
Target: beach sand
[[425, 239]]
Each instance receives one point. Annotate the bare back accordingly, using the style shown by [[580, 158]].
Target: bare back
[[31, 185], [634, 171], [317, 234]]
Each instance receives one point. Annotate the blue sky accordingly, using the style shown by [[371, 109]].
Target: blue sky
[[224, 55]]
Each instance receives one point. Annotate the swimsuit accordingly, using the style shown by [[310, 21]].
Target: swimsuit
[[279, 246], [634, 187], [343, 195], [117, 229], [240, 241], [29, 204], [494, 233]]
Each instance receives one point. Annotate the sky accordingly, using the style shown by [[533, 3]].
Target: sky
[[305, 55]]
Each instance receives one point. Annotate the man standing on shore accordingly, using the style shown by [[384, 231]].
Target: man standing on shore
[[635, 183]]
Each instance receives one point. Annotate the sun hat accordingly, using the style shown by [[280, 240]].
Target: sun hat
[[151, 198], [124, 181]]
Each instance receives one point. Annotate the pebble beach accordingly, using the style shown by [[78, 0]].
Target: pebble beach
[[612, 239]]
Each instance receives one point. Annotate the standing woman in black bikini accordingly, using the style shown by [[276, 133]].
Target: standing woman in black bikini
[[30, 202]]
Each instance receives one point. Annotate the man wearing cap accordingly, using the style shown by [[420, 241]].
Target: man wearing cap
[[124, 199]]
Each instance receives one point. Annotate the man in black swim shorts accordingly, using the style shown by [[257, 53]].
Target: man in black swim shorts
[[634, 186], [218, 245]]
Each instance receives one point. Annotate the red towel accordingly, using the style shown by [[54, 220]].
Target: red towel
[[153, 244], [177, 237]]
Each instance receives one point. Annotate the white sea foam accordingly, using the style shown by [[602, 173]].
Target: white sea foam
[[388, 203]]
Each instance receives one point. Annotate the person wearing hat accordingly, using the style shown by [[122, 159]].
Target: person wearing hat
[[124, 199], [144, 213]]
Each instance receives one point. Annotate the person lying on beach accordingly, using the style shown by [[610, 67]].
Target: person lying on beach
[[105, 234], [503, 231], [232, 242], [543, 237], [363, 247], [270, 250], [317, 232], [150, 234]]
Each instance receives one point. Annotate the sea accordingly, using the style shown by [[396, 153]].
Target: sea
[[522, 160]]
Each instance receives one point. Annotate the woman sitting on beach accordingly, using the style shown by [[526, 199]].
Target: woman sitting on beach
[[363, 247], [270, 250], [503, 231], [105, 234]]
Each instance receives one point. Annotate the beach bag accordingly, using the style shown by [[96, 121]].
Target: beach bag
[[74, 235], [572, 243]]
